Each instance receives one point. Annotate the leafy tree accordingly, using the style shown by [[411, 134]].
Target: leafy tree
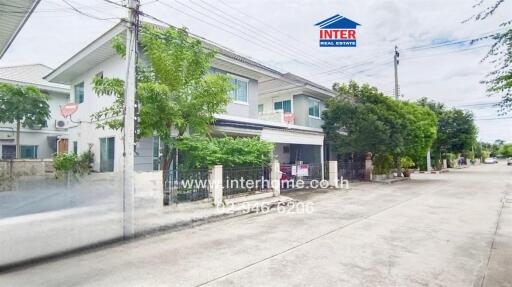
[[200, 151], [499, 81], [372, 122], [506, 150], [176, 92], [24, 106], [456, 130]]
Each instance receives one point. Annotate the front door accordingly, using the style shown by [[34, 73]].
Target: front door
[[62, 146], [107, 154]]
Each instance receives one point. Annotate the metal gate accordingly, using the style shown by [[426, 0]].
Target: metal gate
[[351, 170]]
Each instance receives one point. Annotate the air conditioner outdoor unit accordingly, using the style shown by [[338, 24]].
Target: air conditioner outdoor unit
[[61, 124]]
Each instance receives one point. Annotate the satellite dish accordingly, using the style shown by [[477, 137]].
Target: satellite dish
[[68, 109]]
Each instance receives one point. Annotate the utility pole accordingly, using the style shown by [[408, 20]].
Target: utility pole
[[395, 61], [129, 117], [397, 96]]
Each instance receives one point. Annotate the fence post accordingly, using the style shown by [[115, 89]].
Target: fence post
[[333, 173], [368, 169], [215, 182], [275, 177]]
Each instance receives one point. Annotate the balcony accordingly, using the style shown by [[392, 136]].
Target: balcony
[[278, 116]]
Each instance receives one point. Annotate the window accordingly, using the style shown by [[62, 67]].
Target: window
[[239, 94], [314, 108], [260, 108], [75, 147], [8, 151], [156, 153], [79, 93], [241, 86], [28, 151], [285, 106]]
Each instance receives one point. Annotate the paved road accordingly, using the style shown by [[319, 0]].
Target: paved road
[[451, 229]]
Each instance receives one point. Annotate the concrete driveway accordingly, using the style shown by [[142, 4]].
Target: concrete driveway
[[452, 229]]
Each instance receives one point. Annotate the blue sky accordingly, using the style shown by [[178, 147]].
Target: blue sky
[[282, 34]]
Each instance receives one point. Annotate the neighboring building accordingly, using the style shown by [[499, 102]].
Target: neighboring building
[[299, 101], [37, 141], [14, 14], [242, 117]]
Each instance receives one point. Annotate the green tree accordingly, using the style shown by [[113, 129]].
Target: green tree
[[361, 119], [506, 150], [24, 106], [498, 81], [177, 94], [456, 130]]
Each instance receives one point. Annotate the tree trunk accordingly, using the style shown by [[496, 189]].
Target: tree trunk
[[167, 157], [18, 146], [398, 167]]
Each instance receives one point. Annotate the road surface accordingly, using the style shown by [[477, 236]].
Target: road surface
[[452, 229]]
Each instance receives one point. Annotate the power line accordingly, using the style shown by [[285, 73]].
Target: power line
[[232, 33], [86, 14], [287, 53], [493, 119], [265, 34]]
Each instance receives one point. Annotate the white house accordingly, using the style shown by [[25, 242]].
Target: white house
[[253, 110], [36, 141]]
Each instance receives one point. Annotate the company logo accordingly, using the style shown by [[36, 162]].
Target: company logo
[[337, 31]]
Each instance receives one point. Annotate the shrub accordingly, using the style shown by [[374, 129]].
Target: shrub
[[406, 162], [227, 151], [382, 164], [64, 163]]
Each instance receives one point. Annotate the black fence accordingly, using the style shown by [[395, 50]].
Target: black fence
[[351, 170], [237, 180], [188, 185]]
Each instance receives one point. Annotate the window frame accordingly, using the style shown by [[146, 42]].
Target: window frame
[[34, 151], [317, 102], [81, 99], [282, 109], [234, 98]]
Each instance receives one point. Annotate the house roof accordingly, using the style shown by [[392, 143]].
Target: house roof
[[337, 22], [303, 81], [31, 75], [101, 49], [13, 16]]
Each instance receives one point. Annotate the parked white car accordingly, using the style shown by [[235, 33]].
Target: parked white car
[[491, 160]]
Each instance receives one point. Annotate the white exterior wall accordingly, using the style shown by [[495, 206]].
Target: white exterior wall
[[86, 134], [268, 102], [249, 110], [34, 136]]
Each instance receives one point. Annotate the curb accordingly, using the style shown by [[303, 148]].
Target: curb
[[140, 235]]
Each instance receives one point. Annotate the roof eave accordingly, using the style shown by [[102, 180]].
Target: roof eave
[[39, 86], [22, 23], [87, 50]]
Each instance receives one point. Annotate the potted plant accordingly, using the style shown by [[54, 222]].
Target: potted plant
[[406, 163]]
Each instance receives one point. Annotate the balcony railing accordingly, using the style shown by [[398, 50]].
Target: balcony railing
[[278, 117]]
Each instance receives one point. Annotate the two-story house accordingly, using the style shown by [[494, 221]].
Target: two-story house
[[36, 141], [243, 116]]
